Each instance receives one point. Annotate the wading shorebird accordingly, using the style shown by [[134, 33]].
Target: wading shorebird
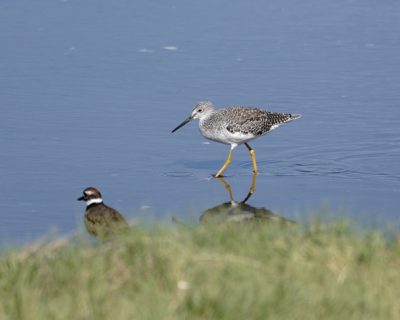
[[100, 219], [235, 125]]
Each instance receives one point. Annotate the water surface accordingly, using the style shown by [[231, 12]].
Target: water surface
[[90, 91]]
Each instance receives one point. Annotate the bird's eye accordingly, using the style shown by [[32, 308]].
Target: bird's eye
[[200, 110]]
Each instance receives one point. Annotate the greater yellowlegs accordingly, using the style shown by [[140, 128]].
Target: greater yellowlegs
[[235, 125], [100, 219]]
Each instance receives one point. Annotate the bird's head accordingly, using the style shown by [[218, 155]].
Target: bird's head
[[91, 195], [202, 109]]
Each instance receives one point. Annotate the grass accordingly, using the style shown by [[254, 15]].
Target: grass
[[231, 271]]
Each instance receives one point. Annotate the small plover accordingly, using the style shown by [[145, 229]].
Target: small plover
[[100, 219]]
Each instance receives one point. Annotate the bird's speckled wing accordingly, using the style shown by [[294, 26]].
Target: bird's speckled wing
[[253, 121]]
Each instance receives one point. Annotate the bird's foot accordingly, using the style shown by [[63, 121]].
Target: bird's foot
[[218, 176]]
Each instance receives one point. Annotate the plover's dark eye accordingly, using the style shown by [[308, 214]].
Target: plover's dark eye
[[200, 110]]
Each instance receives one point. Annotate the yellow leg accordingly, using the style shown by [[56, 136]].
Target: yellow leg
[[253, 157], [253, 183], [227, 187], [252, 188], [226, 164]]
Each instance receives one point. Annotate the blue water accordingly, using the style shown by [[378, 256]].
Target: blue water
[[90, 90]]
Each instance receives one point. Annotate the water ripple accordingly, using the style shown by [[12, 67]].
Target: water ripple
[[178, 174]]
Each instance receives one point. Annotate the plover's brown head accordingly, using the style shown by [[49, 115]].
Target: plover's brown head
[[91, 195]]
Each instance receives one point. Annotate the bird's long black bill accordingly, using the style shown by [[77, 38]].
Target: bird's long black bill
[[182, 124], [80, 199]]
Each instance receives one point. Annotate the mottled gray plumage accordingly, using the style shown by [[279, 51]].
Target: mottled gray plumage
[[247, 123], [235, 126]]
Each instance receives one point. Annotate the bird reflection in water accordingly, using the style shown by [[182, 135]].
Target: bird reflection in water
[[234, 211]]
